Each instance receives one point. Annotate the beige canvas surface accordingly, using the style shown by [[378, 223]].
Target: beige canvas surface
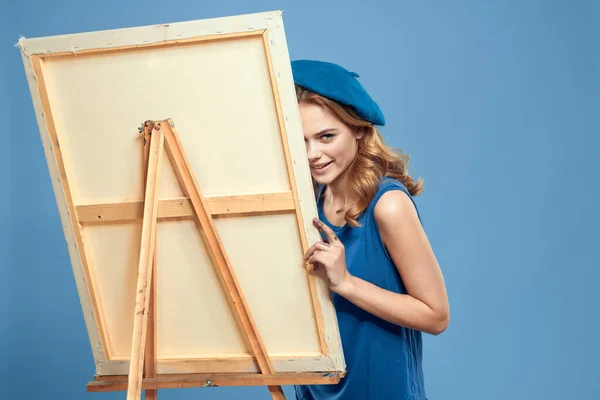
[[232, 100]]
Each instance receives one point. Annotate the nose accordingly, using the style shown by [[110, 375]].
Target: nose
[[313, 151]]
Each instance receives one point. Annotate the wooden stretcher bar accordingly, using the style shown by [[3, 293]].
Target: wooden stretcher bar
[[221, 206]]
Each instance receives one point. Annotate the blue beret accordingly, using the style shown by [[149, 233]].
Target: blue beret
[[338, 84]]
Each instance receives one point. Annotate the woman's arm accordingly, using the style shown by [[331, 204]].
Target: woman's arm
[[425, 307]]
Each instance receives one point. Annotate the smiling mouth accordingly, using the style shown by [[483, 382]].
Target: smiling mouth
[[320, 166]]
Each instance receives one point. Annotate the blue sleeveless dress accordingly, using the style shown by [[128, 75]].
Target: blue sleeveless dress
[[384, 361]]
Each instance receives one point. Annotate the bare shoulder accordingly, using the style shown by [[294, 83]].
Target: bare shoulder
[[395, 206]]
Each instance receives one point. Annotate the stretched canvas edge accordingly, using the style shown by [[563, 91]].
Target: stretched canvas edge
[[287, 94], [144, 35], [61, 202]]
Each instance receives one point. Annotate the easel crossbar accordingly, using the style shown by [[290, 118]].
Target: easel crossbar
[[114, 383]]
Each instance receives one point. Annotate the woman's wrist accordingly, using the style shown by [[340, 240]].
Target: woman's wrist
[[345, 287]]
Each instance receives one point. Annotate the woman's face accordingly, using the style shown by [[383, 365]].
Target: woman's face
[[330, 144]]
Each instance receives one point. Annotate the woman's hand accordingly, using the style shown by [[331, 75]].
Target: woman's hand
[[332, 257]]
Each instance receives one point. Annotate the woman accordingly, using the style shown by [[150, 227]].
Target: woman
[[387, 285]]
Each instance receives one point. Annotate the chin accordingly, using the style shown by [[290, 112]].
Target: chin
[[320, 180], [324, 180]]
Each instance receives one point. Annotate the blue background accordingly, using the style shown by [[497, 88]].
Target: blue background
[[498, 104]]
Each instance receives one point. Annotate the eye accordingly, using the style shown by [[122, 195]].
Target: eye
[[327, 136]]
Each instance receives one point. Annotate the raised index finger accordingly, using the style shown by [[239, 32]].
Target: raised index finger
[[331, 236]]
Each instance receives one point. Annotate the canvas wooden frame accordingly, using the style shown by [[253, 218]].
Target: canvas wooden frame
[[51, 62]]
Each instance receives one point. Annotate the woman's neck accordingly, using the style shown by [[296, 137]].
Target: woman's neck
[[337, 195]]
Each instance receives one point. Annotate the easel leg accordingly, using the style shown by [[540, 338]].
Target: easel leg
[[276, 393], [150, 357], [188, 183], [145, 269]]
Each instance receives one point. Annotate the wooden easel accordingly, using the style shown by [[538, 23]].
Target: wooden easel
[[143, 373], [157, 136]]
